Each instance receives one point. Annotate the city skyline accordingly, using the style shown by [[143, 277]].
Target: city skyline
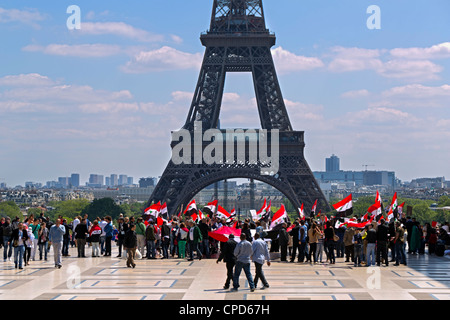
[[105, 98]]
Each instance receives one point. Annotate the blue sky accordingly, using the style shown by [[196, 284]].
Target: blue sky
[[104, 99]]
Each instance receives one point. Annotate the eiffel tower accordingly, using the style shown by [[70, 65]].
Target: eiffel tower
[[238, 41]]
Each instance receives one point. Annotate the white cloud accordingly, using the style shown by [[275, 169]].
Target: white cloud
[[287, 62], [412, 70], [355, 94], [30, 17], [25, 80], [80, 51], [119, 29], [439, 51], [34, 92], [163, 59], [397, 65], [354, 59]]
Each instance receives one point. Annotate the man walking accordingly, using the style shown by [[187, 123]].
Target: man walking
[[243, 251], [382, 243], [81, 231], [259, 256], [56, 234], [371, 242], [140, 233], [400, 255], [283, 238], [108, 236], [7, 243], [294, 234], [130, 243], [227, 255], [195, 237]]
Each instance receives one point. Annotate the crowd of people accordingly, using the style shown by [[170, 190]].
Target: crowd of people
[[307, 240]]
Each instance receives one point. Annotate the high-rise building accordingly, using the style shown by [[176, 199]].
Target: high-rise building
[[75, 180], [147, 182], [114, 181], [63, 182], [332, 164], [108, 181], [96, 180], [130, 181], [123, 180]]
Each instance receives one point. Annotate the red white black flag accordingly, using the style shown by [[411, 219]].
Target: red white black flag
[[344, 207]]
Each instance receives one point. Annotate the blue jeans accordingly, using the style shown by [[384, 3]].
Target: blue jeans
[[194, 246], [18, 255], [43, 248], [237, 272], [205, 247], [400, 253], [7, 253], [165, 247], [65, 247], [370, 252], [151, 249]]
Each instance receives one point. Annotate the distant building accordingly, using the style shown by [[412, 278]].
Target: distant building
[[108, 181], [429, 183], [63, 182], [75, 180], [123, 180], [95, 180], [332, 164], [130, 181], [114, 180], [359, 178], [147, 182]]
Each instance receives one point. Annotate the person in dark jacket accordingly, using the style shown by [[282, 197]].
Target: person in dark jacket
[[247, 232], [165, 239], [371, 243], [66, 239], [227, 255], [121, 229], [382, 241], [205, 227], [130, 243], [284, 241], [7, 243], [151, 241], [294, 234], [81, 231], [19, 237], [391, 240]]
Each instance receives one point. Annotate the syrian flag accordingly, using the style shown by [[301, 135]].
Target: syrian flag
[[313, 209], [378, 199], [191, 208], [279, 217], [400, 209], [268, 211], [262, 212], [163, 211], [366, 216], [375, 209], [211, 207], [153, 210], [232, 215], [344, 207], [393, 208], [301, 212], [222, 213]]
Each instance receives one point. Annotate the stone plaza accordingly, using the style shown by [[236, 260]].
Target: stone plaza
[[105, 278]]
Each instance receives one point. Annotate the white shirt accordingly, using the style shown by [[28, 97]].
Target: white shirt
[[102, 225], [74, 224]]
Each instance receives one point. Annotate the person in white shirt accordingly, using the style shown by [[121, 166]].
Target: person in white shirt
[[102, 223], [75, 222]]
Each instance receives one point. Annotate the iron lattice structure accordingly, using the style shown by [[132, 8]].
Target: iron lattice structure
[[238, 41]]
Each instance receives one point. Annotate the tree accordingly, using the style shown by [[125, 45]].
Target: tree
[[69, 208], [10, 209], [101, 208]]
